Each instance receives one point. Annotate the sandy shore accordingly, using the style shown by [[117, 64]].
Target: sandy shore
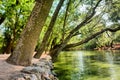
[[6, 70]]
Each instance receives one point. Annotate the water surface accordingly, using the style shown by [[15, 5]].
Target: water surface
[[88, 65]]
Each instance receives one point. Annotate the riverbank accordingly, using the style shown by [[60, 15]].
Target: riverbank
[[113, 47], [42, 67], [7, 70]]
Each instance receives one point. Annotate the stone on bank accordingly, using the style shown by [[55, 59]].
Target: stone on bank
[[41, 70]]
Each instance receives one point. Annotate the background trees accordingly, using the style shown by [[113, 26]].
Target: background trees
[[13, 18]]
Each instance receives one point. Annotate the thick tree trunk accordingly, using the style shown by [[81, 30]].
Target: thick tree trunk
[[49, 30], [22, 55], [55, 52]]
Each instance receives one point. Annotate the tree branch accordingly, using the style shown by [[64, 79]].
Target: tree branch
[[86, 21], [92, 37], [64, 24]]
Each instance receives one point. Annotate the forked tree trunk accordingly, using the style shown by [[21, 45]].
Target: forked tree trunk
[[22, 55]]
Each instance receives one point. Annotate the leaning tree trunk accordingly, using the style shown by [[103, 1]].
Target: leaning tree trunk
[[22, 55], [54, 52], [49, 30]]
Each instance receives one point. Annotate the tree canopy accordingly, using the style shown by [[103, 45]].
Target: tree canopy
[[62, 25]]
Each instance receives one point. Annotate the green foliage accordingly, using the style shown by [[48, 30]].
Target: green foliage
[[16, 14], [78, 14], [115, 11], [90, 45]]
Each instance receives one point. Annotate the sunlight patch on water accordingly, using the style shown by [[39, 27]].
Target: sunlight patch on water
[[79, 67], [109, 58], [81, 61]]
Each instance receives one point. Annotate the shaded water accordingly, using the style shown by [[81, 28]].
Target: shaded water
[[88, 65]]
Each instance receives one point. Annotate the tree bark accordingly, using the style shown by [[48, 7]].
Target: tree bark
[[22, 55], [49, 30], [9, 47]]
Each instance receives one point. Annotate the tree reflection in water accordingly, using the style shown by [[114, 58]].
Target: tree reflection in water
[[88, 65]]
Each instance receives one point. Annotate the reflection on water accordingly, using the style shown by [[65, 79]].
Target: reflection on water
[[88, 65], [79, 66], [109, 58]]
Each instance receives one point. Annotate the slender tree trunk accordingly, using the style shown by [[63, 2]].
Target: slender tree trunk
[[49, 30], [22, 55], [8, 47], [65, 20]]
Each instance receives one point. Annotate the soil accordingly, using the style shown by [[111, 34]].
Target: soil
[[7, 70]]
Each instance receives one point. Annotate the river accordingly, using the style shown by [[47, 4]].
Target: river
[[88, 65]]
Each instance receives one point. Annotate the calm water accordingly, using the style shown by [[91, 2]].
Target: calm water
[[88, 65]]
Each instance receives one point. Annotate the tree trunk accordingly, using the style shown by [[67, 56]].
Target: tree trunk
[[55, 52], [65, 20], [8, 48], [22, 55], [49, 30]]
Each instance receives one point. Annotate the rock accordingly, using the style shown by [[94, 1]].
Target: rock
[[33, 69], [41, 70]]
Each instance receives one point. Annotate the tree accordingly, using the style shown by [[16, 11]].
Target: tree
[[22, 55], [49, 30], [13, 18], [84, 23], [110, 17], [59, 47]]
